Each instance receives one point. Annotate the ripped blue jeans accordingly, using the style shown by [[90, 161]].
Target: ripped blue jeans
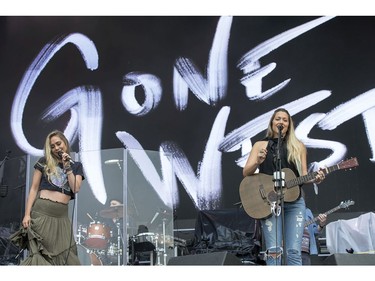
[[294, 214]]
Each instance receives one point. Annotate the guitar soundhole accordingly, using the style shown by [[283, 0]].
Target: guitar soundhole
[[272, 196]]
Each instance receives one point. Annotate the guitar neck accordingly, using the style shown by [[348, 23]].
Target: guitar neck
[[310, 176], [307, 223]]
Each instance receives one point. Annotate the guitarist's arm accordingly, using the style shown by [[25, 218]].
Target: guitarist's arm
[[319, 177], [256, 157], [303, 159]]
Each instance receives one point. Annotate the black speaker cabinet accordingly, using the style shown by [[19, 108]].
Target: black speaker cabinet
[[216, 258], [350, 259]]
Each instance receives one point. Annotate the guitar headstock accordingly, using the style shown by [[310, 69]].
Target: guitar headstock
[[346, 204], [348, 164]]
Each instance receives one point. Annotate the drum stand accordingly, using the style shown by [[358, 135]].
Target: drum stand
[[164, 250], [79, 236], [119, 238]]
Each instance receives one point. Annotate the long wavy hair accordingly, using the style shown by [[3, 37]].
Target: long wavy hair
[[293, 144], [51, 159]]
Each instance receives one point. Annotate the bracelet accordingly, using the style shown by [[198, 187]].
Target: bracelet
[[321, 226], [68, 169]]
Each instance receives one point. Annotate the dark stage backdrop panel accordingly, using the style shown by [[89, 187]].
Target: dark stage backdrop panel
[[200, 88]]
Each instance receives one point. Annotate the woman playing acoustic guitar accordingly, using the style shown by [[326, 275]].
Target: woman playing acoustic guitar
[[266, 157]]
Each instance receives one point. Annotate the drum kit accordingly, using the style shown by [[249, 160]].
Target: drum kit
[[98, 245], [96, 242]]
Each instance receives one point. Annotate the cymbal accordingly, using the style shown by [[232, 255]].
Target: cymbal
[[113, 212]]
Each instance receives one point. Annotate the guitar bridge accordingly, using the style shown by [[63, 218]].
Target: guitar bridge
[[262, 193]]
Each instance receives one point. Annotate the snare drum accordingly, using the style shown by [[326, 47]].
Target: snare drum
[[98, 235], [88, 257]]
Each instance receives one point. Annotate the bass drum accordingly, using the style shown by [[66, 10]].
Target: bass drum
[[98, 235], [88, 257]]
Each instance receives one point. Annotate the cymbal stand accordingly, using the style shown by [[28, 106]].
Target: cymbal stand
[[157, 250]]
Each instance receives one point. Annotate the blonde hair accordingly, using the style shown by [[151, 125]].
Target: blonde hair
[[51, 159], [293, 144]]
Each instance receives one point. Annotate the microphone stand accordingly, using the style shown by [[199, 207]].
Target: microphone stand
[[279, 179], [4, 187], [130, 193]]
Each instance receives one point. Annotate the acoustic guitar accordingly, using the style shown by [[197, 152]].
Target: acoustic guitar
[[258, 195]]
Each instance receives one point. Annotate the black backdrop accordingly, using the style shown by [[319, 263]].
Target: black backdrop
[[337, 56]]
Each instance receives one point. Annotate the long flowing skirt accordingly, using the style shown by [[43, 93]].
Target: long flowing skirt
[[49, 239]]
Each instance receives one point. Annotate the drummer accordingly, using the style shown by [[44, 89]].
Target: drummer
[[113, 214], [114, 219], [116, 203]]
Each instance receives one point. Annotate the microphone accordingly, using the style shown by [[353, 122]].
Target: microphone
[[112, 161], [60, 153], [280, 127]]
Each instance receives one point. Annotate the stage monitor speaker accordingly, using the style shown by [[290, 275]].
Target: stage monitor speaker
[[350, 259], [216, 258]]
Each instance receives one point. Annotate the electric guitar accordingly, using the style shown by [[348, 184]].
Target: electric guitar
[[258, 195], [343, 205]]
